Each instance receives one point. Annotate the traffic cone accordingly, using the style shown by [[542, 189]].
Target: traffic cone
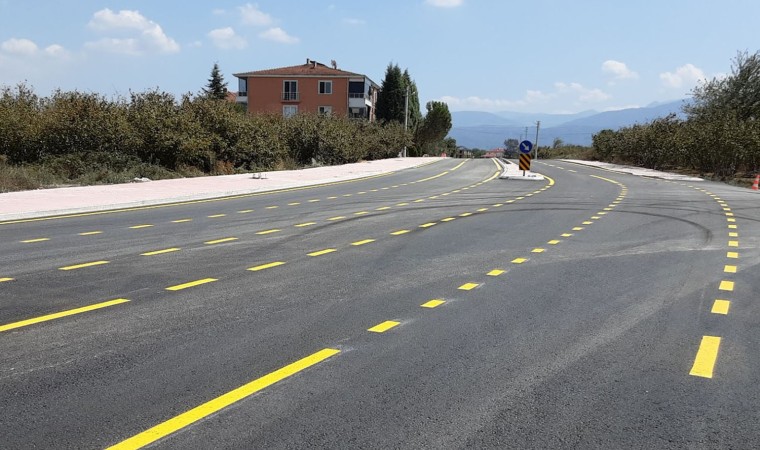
[[756, 184]]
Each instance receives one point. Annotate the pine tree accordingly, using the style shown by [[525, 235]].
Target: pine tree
[[415, 115], [390, 99], [216, 87]]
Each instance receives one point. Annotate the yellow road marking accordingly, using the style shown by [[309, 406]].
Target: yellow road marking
[[448, 219], [566, 234], [519, 260], [365, 241], [160, 252], [90, 233], [601, 213], [266, 266], [3, 280], [383, 327], [433, 197], [400, 232], [554, 242], [402, 204], [336, 218], [223, 401], [482, 210], [495, 272], [726, 285], [364, 192], [361, 213], [332, 197], [245, 211], [706, 356], [294, 204], [432, 303], [214, 216], [58, 315], [468, 286], [315, 200], [137, 227], [382, 208], [419, 200], [427, 225], [720, 306], [268, 231], [733, 243], [733, 234], [301, 225], [182, 220], [510, 201], [498, 205], [732, 227], [272, 207], [731, 219], [465, 214], [32, 241], [578, 228], [81, 266], [219, 241], [728, 214], [519, 198], [323, 252], [588, 222], [732, 255], [729, 269], [538, 250], [596, 217], [179, 287]]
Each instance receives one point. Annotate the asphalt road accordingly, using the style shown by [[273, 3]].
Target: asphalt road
[[437, 307]]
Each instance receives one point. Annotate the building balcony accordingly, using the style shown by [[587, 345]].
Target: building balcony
[[291, 96], [359, 100]]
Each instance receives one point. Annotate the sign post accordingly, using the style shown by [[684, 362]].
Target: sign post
[[525, 149]]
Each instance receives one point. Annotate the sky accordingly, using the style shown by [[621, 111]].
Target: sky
[[548, 56]]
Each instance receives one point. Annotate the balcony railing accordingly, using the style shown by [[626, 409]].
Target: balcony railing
[[291, 96], [357, 95]]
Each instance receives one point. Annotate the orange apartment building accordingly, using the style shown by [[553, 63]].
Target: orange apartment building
[[309, 88]]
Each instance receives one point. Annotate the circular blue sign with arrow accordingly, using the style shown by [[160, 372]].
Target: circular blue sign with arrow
[[526, 146]]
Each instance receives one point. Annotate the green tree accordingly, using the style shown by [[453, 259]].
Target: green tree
[[216, 87], [511, 146], [415, 115], [434, 127], [390, 99]]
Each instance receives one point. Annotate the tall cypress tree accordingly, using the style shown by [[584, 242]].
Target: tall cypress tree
[[390, 99], [216, 87], [415, 115]]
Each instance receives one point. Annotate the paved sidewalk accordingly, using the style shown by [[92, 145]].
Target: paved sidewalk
[[70, 200], [639, 171]]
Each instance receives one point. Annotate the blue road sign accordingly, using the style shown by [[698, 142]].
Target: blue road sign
[[526, 146]]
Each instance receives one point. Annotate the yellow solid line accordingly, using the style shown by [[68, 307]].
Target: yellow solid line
[[223, 401], [427, 225], [706, 356], [337, 218], [538, 250], [383, 327], [495, 272], [432, 303], [179, 287], [137, 227], [400, 232], [182, 220], [468, 286], [726, 285], [58, 315], [268, 231], [3, 280], [366, 241], [732, 255], [160, 252], [729, 269], [720, 306], [32, 241], [519, 260], [219, 241], [81, 266], [301, 225], [90, 233], [266, 266], [323, 252]]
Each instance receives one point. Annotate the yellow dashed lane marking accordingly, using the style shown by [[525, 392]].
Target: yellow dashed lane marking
[[216, 216], [3, 280], [733, 234], [82, 266], [245, 211], [554, 242], [365, 241], [336, 218], [448, 219], [495, 272], [468, 286], [266, 266], [294, 204], [538, 250], [720, 306], [432, 303], [400, 232], [220, 241], [566, 234], [402, 204], [383, 327], [323, 252], [726, 285], [382, 208], [733, 243], [588, 222], [427, 225], [361, 213], [272, 207], [160, 252], [32, 241], [315, 200], [90, 233], [519, 260], [482, 210], [137, 227], [732, 255], [268, 231], [180, 287], [301, 225], [182, 220], [706, 357], [729, 269], [58, 315], [578, 228], [465, 215], [223, 401]]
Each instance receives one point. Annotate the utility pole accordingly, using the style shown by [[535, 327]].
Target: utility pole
[[406, 113], [538, 125]]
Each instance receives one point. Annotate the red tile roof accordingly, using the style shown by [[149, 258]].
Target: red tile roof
[[310, 68]]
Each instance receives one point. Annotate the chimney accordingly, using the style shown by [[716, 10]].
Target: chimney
[[334, 64], [308, 61]]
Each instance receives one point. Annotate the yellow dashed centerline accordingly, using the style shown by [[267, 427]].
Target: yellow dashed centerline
[[336, 218], [468, 286], [323, 252], [33, 241], [361, 213], [706, 357], [519, 260], [383, 327], [428, 225], [245, 211], [363, 242], [448, 219], [216, 216], [90, 233], [465, 215], [58, 315], [82, 266], [538, 250], [220, 241], [382, 208], [182, 220], [578, 228], [160, 252], [554, 242], [269, 231], [733, 243], [726, 285], [400, 232], [432, 303], [729, 269], [294, 204], [301, 225], [266, 266], [566, 234], [720, 306], [732, 255], [496, 272], [272, 207], [180, 287], [138, 227], [3, 280]]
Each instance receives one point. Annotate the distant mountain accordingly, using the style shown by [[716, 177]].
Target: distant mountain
[[484, 130]]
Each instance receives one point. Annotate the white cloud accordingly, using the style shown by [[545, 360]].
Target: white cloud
[[445, 3], [56, 51], [252, 15], [618, 70], [353, 21], [23, 47], [277, 34], [584, 94], [685, 76], [144, 34], [226, 39]]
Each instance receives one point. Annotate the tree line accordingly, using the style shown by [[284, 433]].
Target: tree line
[[720, 136]]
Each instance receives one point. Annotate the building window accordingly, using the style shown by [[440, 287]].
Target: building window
[[290, 90], [243, 87], [289, 110], [325, 87], [325, 110]]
